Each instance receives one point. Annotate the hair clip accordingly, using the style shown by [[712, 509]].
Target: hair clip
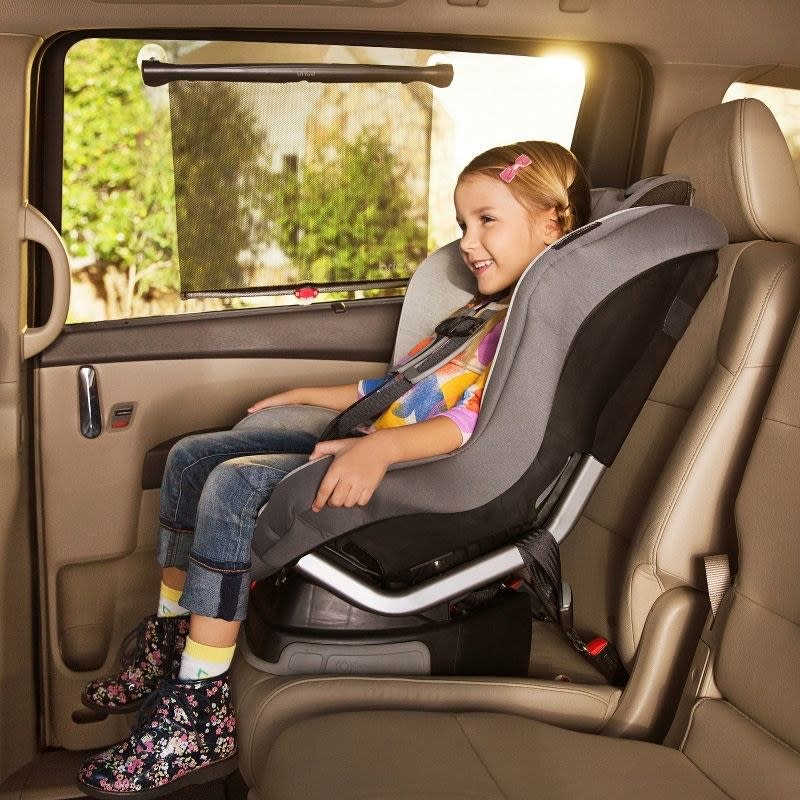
[[511, 170]]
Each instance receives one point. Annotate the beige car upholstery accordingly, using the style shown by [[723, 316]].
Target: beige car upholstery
[[737, 146], [743, 744], [102, 576], [634, 558], [669, 495], [668, 499]]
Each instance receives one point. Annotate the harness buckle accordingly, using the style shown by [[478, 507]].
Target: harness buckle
[[459, 326]]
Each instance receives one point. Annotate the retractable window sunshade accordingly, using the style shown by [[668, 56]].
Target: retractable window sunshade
[[299, 174]]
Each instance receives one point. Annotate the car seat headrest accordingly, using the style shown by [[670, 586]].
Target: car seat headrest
[[441, 284], [673, 190], [741, 169]]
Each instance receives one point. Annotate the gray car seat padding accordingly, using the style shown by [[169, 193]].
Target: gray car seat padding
[[558, 292], [657, 190]]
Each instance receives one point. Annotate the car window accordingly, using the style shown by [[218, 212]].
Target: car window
[[783, 103], [311, 192]]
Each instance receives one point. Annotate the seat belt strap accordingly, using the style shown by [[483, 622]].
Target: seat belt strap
[[718, 580], [539, 551], [453, 336], [691, 291]]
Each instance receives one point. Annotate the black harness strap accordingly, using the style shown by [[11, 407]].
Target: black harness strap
[[452, 336]]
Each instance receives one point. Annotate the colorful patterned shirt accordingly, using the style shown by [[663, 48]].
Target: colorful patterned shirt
[[454, 390]]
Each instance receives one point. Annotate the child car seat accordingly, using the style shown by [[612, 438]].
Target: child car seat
[[589, 327]]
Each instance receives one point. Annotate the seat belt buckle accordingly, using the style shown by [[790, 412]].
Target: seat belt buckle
[[459, 326], [603, 656]]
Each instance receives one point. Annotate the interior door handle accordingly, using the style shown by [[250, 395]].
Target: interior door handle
[[35, 227], [89, 403]]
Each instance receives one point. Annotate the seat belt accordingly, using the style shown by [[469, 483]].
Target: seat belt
[[453, 336], [718, 580], [539, 551]]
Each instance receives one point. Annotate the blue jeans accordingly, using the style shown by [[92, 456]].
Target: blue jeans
[[213, 487]]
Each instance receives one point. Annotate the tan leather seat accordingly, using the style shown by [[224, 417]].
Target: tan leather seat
[[740, 740], [667, 500], [635, 558]]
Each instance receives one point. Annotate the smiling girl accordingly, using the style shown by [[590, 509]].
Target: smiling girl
[[512, 202]]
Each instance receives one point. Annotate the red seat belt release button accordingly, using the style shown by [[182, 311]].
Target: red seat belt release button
[[596, 646]]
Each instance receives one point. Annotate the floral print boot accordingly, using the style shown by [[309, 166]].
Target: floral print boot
[[186, 734], [159, 643]]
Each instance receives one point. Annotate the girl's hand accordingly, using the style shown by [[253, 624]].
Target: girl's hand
[[359, 465], [337, 398], [280, 399]]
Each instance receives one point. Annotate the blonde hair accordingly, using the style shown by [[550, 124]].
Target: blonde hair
[[554, 179]]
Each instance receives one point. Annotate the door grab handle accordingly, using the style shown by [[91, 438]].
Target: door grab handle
[[35, 227], [89, 403]]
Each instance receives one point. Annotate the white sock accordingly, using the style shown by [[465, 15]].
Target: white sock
[[168, 605], [204, 661]]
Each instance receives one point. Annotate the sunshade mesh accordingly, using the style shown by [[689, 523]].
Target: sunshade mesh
[[283, 184]]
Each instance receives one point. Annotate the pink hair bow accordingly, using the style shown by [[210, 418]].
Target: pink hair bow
[[511, 170]]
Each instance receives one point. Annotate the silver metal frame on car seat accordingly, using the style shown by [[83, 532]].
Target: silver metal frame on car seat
[[461, 580]]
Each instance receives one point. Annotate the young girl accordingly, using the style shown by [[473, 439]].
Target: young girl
[[511, 203]]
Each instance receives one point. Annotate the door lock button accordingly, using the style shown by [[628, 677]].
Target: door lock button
[[121, 416]]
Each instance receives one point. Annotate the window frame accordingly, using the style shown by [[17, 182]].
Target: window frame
[[608, 137]]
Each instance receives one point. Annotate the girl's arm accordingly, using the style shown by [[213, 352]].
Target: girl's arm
[[337, 398], [359, 464]]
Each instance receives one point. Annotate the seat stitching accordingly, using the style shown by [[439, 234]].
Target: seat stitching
[[426, 682], [478, 755], [748, 197], [779, 270], [769, 610], [742, 714], [667, 404], [605, 527], [686, 736], [764, 730], [782, 422], [264, 705]]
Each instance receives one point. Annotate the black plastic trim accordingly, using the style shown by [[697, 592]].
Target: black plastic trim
[[327, 331], [157, 73]]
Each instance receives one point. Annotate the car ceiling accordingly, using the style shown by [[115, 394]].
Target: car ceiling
[[725, 32]]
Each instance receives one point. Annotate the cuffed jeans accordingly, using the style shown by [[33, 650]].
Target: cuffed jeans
[[213, 487]]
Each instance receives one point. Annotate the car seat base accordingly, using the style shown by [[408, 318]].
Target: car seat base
[[295, 627]]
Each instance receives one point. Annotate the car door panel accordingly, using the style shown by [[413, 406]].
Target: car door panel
[[98, 525]]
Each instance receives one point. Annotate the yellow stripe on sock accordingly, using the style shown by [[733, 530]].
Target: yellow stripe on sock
[[205, 652], [171, 594]]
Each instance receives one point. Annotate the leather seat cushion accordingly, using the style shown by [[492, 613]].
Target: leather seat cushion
[[552, 655], [411, 754]]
